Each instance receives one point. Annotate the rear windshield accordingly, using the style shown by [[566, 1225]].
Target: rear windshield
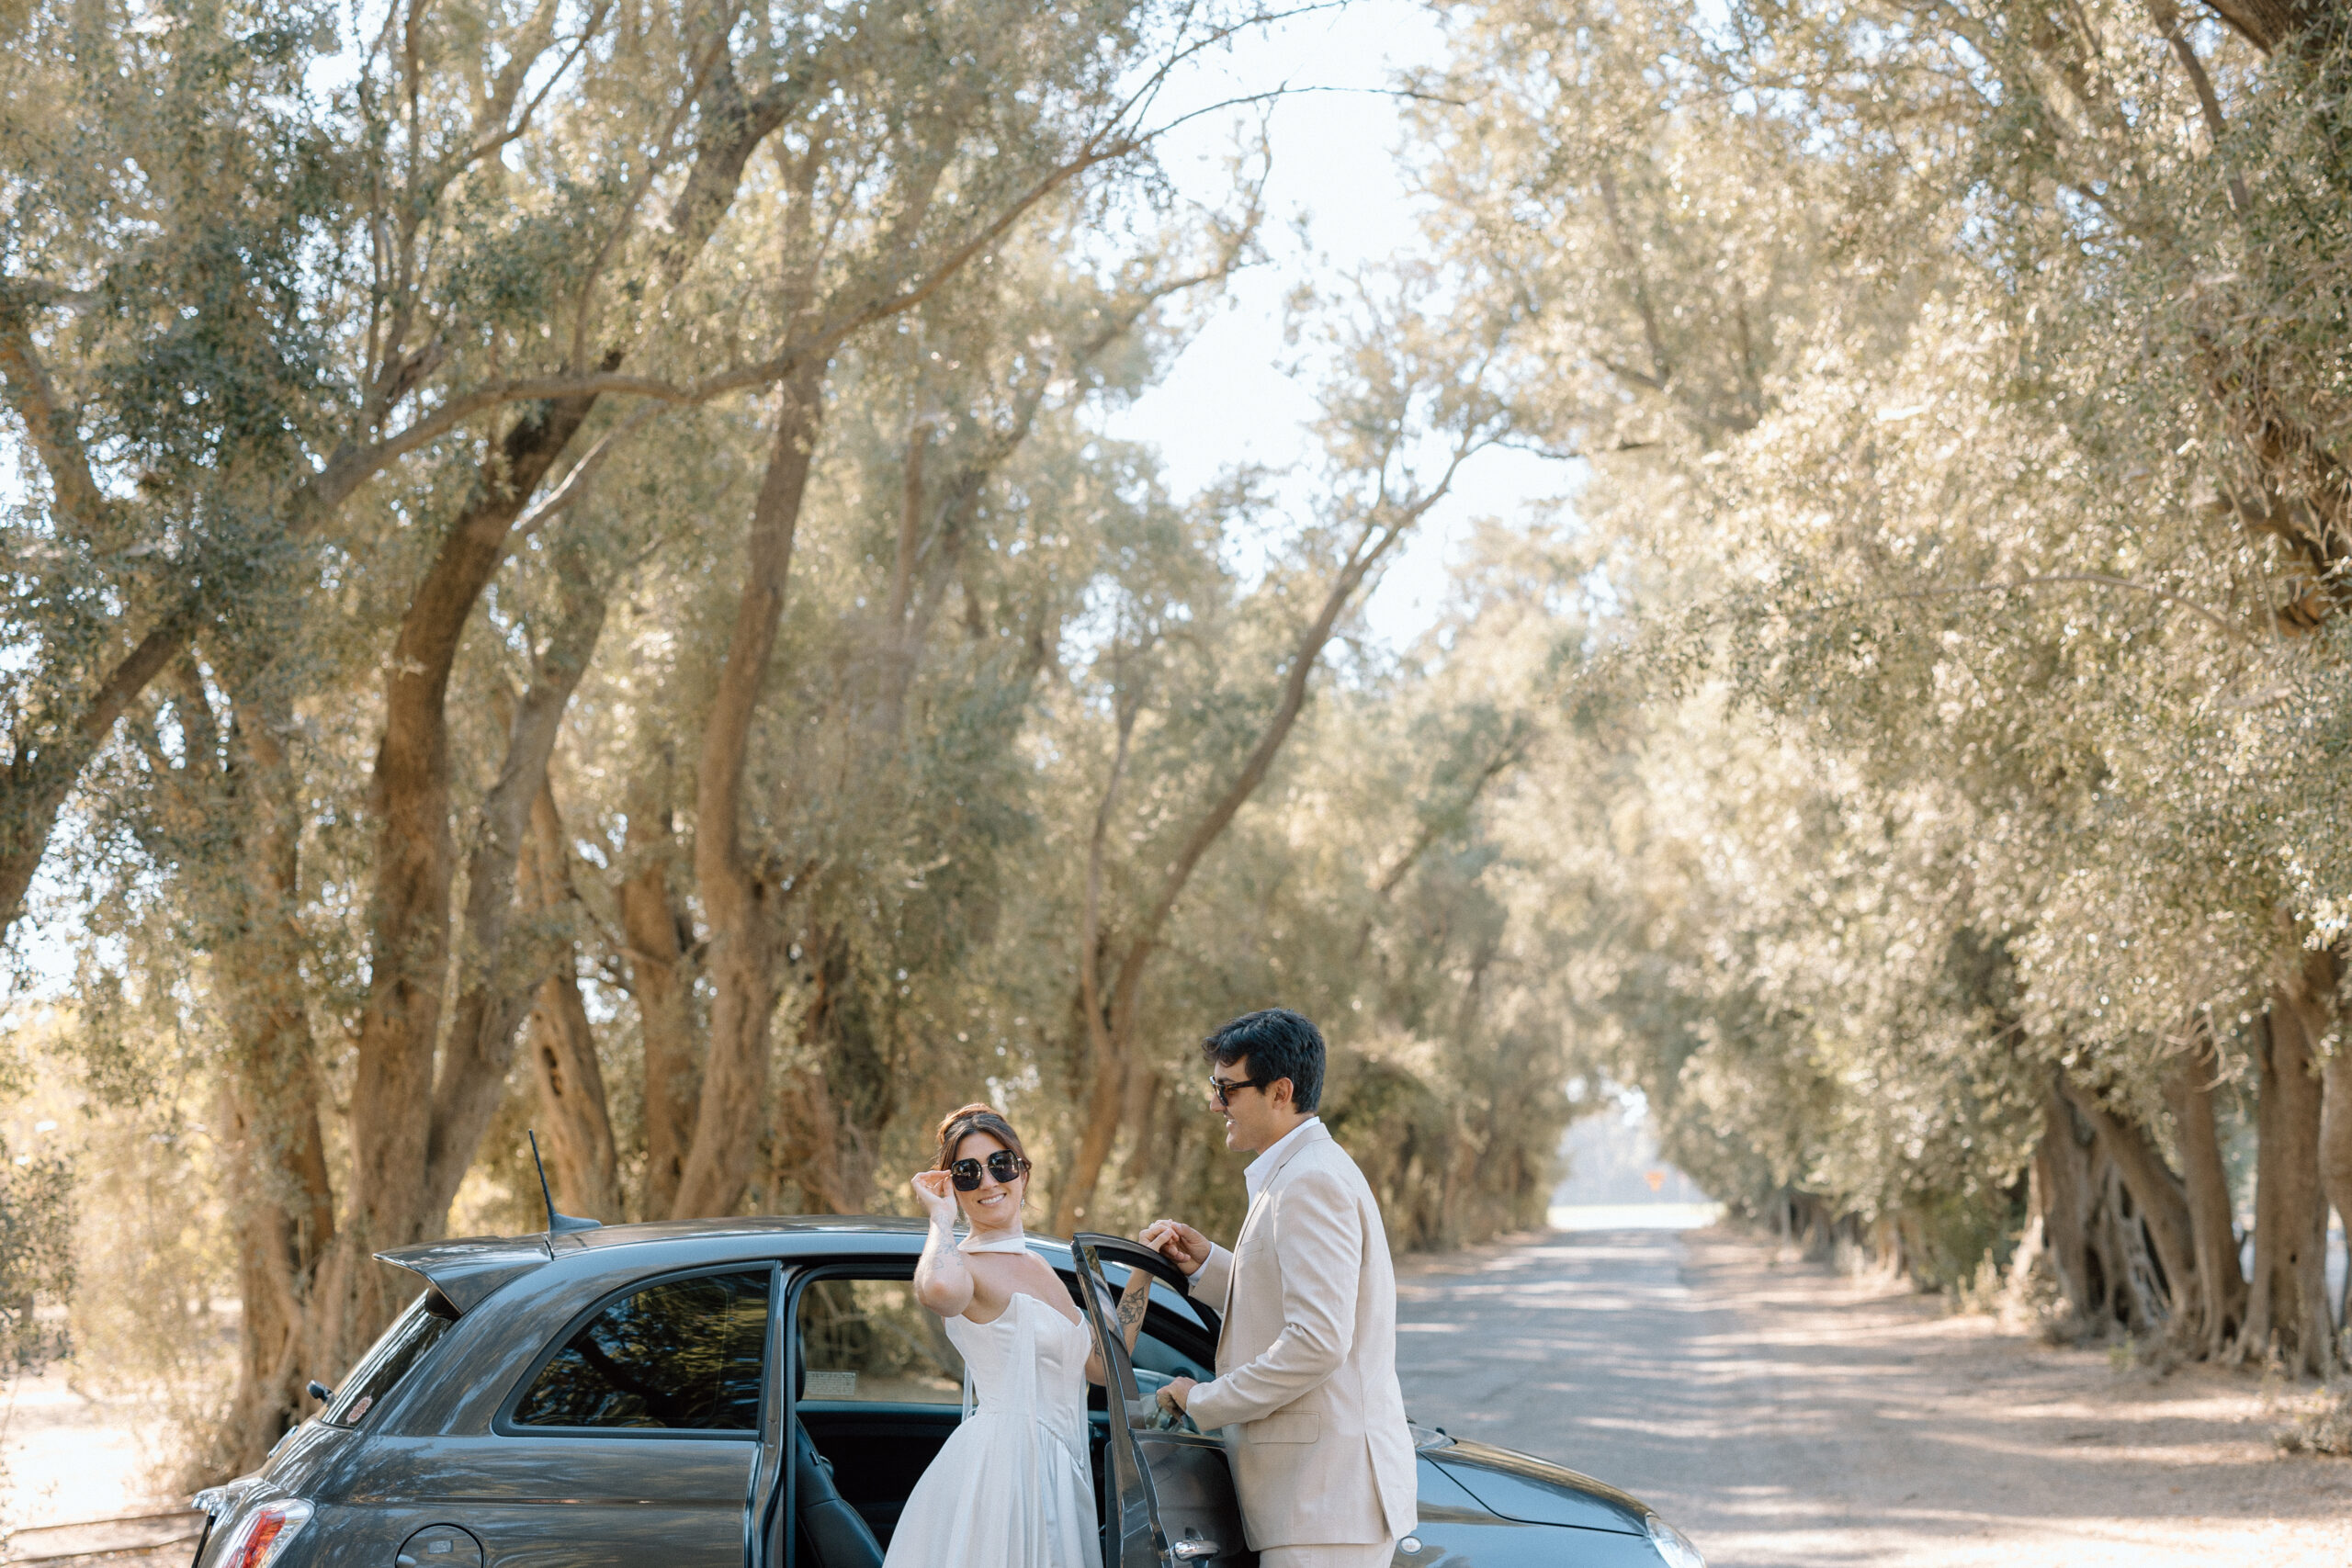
[[403, 1345]]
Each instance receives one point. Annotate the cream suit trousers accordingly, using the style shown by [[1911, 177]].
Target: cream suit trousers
[[1326, 1556]]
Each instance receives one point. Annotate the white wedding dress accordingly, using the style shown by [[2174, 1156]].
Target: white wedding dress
[[1010, 1489]]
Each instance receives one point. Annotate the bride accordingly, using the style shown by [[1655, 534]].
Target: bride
[[1010, 1489]]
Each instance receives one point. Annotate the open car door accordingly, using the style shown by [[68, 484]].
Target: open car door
[[1170, 1498]]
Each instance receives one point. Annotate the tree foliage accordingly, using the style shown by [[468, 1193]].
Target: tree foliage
[[1960, 387], [565, 572]]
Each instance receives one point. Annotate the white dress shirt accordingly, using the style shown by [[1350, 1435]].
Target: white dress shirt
[[1262, 1167]]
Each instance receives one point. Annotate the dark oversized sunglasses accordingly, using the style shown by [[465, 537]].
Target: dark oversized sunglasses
[[1222, 1090], [1004, 1164]]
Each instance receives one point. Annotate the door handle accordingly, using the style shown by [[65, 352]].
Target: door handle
[[1194, 1550]]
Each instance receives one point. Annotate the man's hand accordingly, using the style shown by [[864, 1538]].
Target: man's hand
[[1177, 1241], [1177, 1392]]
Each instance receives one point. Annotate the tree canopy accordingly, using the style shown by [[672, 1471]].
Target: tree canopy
[[565, 568], [1961, 388]]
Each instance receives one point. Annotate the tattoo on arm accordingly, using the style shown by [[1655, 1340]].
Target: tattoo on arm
[[1131, 1311]]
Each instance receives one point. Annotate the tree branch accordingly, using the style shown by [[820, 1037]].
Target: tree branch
[[49, 424], [2208, 103]]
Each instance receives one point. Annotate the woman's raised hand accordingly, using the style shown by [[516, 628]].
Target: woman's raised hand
[[935, 1191], [942, 1282]]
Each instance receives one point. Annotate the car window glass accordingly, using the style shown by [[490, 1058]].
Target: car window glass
[[1151, 1353], [685, 1355], [870, 1341], [1161, 1361], [1178, 1306], [402, 1345], [1157, 1363]]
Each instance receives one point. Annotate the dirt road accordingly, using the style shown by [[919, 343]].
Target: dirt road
[[1787, 1416]]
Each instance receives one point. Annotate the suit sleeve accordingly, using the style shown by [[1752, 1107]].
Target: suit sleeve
[[1317, 1246], [1212, 1282]]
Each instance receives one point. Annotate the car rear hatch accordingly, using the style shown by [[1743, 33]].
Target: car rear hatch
[[458, 1275]]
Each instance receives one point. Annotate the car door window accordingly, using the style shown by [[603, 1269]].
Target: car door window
[[682, 1354], [1159, 1363], [870, 1342], [1164, 1358], [1159, 1358]]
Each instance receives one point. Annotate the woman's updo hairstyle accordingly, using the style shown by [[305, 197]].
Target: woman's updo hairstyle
[[960, 1125]]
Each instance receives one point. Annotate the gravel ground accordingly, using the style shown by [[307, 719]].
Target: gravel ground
[[1784, 1414], [65, 1455]]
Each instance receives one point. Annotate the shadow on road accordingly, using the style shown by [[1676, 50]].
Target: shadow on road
[[1784, 1414]]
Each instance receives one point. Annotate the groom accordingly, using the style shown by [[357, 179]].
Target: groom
[[1305, 1384]]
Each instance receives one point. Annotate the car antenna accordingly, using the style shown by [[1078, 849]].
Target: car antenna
[[558, 1225]]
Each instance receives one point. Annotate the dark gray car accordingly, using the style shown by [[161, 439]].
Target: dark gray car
[[599, 1397]]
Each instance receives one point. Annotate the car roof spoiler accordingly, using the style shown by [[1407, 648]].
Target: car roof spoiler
[[466, 1269]]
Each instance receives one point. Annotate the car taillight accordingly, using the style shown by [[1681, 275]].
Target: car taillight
[[262, 1536]]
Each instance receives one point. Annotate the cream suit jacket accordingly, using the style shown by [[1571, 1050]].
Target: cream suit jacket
[[1305, 1385]]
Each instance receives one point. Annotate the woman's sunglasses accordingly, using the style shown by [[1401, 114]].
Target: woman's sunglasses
[[1004, 1164]]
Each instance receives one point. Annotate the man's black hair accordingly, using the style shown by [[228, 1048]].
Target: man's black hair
[[1279, 1044]]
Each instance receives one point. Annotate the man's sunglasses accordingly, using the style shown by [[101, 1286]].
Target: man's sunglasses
[[1004, 1164], [1222, 1090]]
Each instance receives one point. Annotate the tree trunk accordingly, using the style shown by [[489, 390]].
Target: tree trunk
[[830, 1122], [2336, 1153], [739, 895], [2139, 1300], [2161, 1202], [1106, 1075], [495, 994], [2062, 1188], [1144, 1093], [282, 1206], [2220, 1301], [392, 1138], [585, 1166], [2286, 1310], [1106, 1093], [661, 980], [2270, 24], [835, 1114], [816, 1171]]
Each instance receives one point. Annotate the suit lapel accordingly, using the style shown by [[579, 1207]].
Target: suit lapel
[[1311, 1135], [1257, 1207], [1233, 1281]]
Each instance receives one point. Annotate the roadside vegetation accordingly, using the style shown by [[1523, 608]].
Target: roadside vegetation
[[563, 570]]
